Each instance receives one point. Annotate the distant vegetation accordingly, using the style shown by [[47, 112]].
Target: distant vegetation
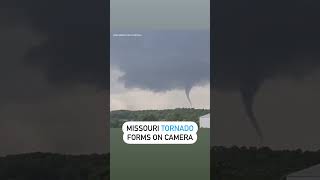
[[236, 163], [117, 118]]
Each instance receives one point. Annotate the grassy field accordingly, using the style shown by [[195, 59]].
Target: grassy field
[[160, 162]]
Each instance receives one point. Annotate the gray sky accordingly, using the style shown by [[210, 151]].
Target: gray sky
[[53, 77], [266, 64], [152, 71], [160, 15]]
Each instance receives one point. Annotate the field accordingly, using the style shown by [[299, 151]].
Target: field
[[160, 162]]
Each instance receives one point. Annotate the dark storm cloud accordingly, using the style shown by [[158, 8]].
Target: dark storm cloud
[[54, 56], [255, 41], [76, 45], [163, 60]]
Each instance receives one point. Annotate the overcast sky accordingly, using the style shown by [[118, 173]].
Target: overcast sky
[[54, 63], [160, 15], [54, 59], [266, 63], [154, 70]]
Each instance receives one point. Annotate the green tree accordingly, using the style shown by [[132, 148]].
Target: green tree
[[150, 117]]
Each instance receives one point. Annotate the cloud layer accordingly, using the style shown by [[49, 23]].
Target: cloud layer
[[54, 58], [161, 61], [257, 41]]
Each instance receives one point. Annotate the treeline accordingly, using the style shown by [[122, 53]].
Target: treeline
[[242, 163], [47, 166], [117, 118], [233, 163]]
